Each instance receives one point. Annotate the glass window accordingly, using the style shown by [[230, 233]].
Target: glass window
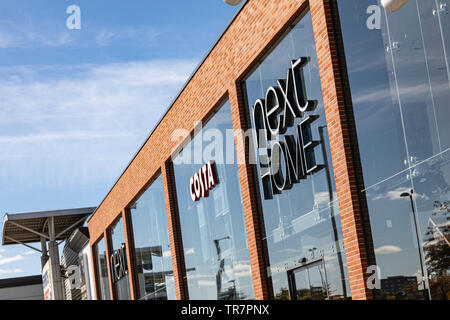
[[102, 270], [301, 220], [119, 265], [213, 228], [152, 247], [399, 79]]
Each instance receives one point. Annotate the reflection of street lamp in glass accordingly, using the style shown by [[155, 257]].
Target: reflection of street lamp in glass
[[410, 195], [312, 250]]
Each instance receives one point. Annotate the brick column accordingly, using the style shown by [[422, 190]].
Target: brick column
[[344, 146], [173, 223], [254, 221], [130, 251], [108, 247]]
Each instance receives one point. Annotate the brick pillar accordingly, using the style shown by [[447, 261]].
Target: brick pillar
[[344, 146], [254, 221], [173, 223], [108, 247], [130, 251]]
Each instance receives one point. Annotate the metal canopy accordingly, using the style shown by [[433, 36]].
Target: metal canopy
[[22, 228]]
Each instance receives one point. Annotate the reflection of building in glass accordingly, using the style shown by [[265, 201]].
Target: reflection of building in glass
[[398, 285], [154, 282]]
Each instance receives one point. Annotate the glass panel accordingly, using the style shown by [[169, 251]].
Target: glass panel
[[122, 285], [431, 185], [102, 270], [399, 78], [213, 228], [152, 247], [302, 223]]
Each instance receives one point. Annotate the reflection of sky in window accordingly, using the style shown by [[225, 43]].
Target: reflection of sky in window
[[400, 93]]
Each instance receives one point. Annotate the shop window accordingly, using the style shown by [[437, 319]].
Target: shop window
[[294, 168], [398, 68], [212, 225], [102, 270], [118, 261], [152, 246]]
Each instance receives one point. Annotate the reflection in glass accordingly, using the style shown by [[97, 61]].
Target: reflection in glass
[[302, 224], [102, 270], [310, 282], [152, 247], [122, 285], [213, 228], [398, 66]]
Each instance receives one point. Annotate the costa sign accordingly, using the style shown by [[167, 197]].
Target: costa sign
[[284, 159], [203, 181], [119, 265]]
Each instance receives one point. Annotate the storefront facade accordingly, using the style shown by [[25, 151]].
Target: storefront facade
[[306, 158]]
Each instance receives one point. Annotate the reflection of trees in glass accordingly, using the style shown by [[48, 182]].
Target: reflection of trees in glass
[[283, 294], [437, 251], [400, 288]]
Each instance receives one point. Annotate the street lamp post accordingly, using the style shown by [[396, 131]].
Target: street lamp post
[[410, 195]]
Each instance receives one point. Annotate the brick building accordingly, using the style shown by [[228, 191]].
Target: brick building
[[307, 157]]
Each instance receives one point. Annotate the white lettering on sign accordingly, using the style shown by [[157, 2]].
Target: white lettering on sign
[[203, 181]]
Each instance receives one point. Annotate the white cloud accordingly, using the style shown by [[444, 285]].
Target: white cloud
[[11, 259], [7, 40], [394, 194], [141, 35], [206, 283], [10, 271], [241, 270], [388, 249], [30, 252], [27, 39], [66, 125], [2, 250], [323, 198]]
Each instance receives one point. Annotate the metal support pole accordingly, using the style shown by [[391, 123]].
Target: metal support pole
[[44, 256], [55, 267]]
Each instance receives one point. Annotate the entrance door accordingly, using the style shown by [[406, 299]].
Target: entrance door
[[308, 282]]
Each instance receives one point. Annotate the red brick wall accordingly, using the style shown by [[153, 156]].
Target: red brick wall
[[342, 147], [175, 237], [255, 29]]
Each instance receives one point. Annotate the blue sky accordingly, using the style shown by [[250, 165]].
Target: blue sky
[[75, 105]]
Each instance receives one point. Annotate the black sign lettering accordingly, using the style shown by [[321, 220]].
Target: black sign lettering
[[119, 265]]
